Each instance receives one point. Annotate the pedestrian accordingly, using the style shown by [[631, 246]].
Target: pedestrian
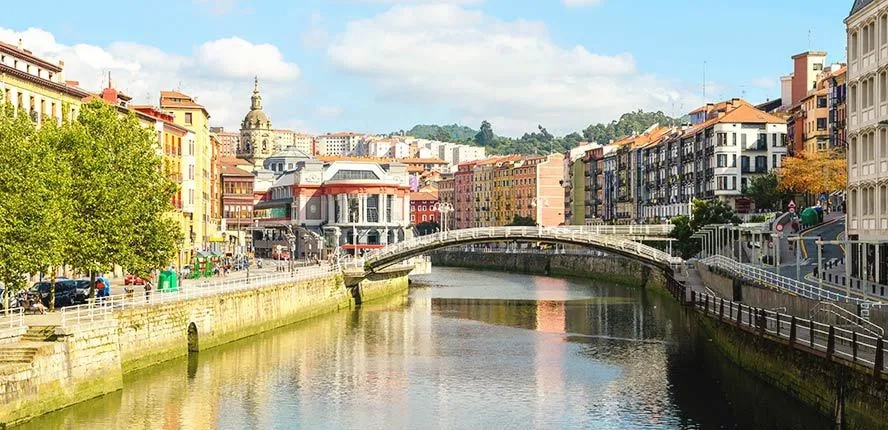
[[147, 290]]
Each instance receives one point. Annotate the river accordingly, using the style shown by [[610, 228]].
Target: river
[[464, 349]]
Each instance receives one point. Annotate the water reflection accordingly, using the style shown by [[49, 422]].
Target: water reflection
[[466, 349]]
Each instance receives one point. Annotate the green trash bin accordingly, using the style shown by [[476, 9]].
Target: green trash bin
[[174, 281], [809, 217], [163, 281]]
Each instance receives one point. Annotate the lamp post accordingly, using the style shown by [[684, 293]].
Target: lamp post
[[443, 208]]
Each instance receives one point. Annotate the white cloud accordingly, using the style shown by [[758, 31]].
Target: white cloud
[[218, 73], [315, 34], [511, 73], [575, 3]]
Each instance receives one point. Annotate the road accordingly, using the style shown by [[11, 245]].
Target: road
[[831, 230]]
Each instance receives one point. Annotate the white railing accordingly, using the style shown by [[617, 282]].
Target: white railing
[[627, 230], [767, 278], [582, 235], [12, 322], [850, 345], [101, 308]]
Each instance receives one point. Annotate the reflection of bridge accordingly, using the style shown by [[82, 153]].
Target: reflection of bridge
[[606, 238]]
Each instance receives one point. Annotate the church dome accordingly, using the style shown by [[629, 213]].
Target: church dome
[[256, 118]]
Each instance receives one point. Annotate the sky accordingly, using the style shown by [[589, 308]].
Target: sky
[[379, 66]]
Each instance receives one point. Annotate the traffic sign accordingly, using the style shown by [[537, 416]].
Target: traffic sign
[[792, 206], [779, 227]]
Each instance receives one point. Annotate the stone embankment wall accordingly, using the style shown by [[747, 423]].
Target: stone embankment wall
[[73, 365], [45, 376], [607, 268]]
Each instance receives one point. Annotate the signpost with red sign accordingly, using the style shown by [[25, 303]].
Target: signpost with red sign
[[792, 206]]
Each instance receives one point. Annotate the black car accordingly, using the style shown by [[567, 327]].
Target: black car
[[67, 292]]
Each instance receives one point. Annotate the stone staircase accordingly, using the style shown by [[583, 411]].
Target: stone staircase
[[18, 353], [40, 333]]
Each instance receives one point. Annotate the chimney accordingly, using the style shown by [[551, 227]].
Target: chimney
[[735, 102], [721, 113], [21, 47]]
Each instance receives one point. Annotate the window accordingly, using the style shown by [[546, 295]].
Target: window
[[817, 66], [761, 164], [854, 41], [424, 218], [721, 160], [191, 172], [744, 164], [852, 152], [412, 217], [743, 140], [821, 123], [191, 197], [188, 118], [774, 161], [821, 101]]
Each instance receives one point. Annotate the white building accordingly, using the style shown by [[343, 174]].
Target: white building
[[355, 206], [867, 109], [714, 159], [338, 143]]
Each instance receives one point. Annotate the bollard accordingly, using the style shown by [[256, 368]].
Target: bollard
[[880, 358], [831, 342], [811, 333], [854, 346], [739, 314], [792, 329], [778, 324]]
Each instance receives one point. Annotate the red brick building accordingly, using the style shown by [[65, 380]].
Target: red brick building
[[237, 204]]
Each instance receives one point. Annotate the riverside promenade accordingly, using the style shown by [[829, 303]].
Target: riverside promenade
[[51, 361]]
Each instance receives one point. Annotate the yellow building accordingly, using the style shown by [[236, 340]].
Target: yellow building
[[198, 158], [37, 86]]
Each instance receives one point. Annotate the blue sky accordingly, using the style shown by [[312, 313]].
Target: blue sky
[[384, 65]]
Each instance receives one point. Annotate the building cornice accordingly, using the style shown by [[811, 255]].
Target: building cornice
[[66, 89]]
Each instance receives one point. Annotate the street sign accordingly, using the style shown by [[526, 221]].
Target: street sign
[[792, 206], [865, 310]]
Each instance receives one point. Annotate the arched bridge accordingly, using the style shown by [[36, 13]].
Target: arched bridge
[[612, 243]]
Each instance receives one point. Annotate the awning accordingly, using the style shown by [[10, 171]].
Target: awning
[[361, 246]]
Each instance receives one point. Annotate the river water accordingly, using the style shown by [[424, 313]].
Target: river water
[[464, 349]]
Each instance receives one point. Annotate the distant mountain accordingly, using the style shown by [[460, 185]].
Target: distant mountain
[[541, 141], [444, 133]]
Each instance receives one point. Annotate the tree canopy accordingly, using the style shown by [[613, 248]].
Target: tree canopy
[[89, 193], [703, 212], [765, 192], [813, 173], [541, 141]]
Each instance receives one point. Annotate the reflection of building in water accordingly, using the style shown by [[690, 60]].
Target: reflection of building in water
[[549, 357], [550, 316]]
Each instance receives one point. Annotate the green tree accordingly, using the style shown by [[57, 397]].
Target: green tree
[[33, 215], [764, 191], [703, 212], [121, 197], [485, 136], [525, 221]]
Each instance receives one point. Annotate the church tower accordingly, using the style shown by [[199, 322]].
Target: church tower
[[257, 141]]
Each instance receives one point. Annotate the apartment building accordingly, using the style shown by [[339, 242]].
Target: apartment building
[[343, 143], [37, 86], [867, 113]]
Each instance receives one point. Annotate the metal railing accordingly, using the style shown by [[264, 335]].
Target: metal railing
[[770, 279], [580, 235], [834, 342], [550, 251], [12, 322], [848, 317], [101, 309]]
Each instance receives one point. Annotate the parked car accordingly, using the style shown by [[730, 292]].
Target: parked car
[[133, 280], [67, 292], [13, 300]]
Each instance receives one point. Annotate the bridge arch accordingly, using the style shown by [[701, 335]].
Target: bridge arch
[[614, 244]]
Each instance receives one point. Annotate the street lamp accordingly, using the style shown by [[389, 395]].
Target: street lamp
[[443, 208]]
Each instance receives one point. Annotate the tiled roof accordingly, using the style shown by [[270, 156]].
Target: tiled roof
[[422, 161], [423, 196], [176, 99], [234, 171]]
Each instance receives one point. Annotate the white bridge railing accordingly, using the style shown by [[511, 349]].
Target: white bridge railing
[[101, 309], [12, 323], [623, 230], [581, 235], [770, 279]]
